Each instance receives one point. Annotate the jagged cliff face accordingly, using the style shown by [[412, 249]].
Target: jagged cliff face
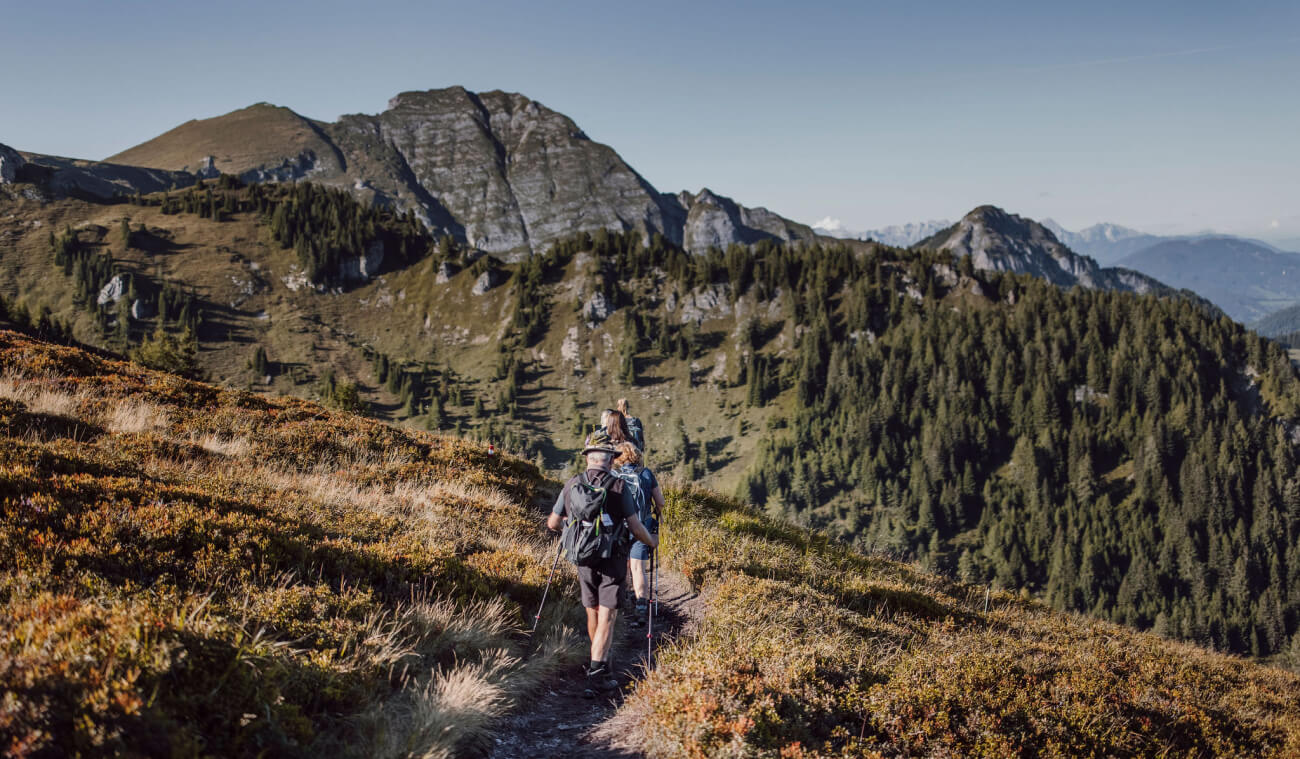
[[514, 175], [712, 220], [502, 172], [999, 241]]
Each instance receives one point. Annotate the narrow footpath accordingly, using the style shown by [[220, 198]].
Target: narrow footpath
[[561, 723]]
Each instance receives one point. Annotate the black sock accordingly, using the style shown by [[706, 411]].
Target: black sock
[[595, 666]]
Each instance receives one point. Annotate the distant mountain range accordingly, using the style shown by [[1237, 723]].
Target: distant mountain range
[[897, 235], [1245, 278], [508, 176], [1248, 279], [1107, 243]]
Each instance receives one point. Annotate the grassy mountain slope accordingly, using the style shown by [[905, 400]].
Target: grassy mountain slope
[[1127, 456], [204, 572], [258, 136], [200, 572], [242, 277], [810, 649]]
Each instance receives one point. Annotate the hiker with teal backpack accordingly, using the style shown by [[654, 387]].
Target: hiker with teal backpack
[[630, 466], [598, 514]]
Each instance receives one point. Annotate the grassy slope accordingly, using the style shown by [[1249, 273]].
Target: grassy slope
[[204, 572], [249, 138], [312, 332], [207, 572], [808, 649]]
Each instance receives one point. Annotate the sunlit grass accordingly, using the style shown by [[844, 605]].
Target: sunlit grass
[[198, 572], [809, 649]]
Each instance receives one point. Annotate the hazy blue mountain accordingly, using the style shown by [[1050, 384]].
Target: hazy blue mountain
[[897, 235], [1246, 278], [1284, 323], [1108, 243]]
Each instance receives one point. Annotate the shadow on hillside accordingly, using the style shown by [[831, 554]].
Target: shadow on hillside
[[157, 245], [221, 323], [649, 380], [766, 333], [711, 341], [716, 449]]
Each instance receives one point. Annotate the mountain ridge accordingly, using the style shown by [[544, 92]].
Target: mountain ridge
[[497, 170]]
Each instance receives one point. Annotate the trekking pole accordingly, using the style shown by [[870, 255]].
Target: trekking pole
[[650, 611], [537, 619]]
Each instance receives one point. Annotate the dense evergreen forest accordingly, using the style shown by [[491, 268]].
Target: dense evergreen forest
[[1125, 456]]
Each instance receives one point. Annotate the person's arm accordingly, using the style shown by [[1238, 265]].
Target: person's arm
[[556, 517], [641, 533], [658, 496]]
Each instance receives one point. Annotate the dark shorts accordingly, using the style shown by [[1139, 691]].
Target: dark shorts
[[640, 551], [602, 585]]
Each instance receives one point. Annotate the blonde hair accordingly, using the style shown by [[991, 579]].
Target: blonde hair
[[622, 406], [628, 454]]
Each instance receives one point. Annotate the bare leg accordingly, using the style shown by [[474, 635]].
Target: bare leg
[[604, 632], [592, 622], [638, 567]]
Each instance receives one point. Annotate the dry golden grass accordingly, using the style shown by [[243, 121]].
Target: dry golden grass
[[808, 649], [42, 396], [128, 415], [201, 572]]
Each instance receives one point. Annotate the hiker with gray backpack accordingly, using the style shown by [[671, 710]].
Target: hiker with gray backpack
[[597, 513]]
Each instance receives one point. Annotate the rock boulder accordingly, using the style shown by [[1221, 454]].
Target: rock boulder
[[113, 291], [487, 280]]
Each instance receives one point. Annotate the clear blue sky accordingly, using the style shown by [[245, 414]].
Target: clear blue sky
[[1173, 117]]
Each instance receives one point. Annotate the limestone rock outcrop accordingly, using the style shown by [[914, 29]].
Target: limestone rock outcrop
[[1000, 241], [10, 163], [112, 292], [712, 220]]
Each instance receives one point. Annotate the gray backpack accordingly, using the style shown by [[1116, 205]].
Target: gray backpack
[[590, 534]]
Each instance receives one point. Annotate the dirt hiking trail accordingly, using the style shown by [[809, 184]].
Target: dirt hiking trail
[[561, 722]]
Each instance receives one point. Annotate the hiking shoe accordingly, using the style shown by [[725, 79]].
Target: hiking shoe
[[599, 679]]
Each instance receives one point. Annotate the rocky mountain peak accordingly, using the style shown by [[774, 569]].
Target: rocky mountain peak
[[1001, 241]]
